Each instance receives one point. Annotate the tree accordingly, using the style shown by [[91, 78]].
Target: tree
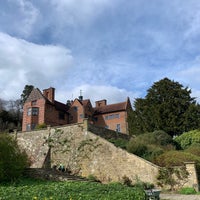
[[12, 160], [168, 107], [27, 90]]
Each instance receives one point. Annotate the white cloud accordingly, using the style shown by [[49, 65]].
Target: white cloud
[[18, 17], [24, 63], [95, 93], [75, 11]]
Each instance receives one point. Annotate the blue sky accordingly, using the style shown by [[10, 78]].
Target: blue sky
[[109, 49]]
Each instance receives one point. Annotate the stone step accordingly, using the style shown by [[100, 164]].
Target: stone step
[[50, 174]]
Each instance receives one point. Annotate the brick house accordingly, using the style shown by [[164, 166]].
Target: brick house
[[42, 108]]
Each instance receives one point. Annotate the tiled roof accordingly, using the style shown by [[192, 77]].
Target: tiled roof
[[34, 95], [60, 106], [85, 102], [110, 108]]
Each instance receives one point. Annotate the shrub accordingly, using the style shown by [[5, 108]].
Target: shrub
[[194, 149], [12, 159], [136, 147], [40, 126], [175, 158], [126, 181], [150, 145], [91, 177], [187, 139], [172, 176], [187, 190], [119, 142]]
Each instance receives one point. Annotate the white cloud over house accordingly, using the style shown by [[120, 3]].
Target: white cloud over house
[[22, 63]]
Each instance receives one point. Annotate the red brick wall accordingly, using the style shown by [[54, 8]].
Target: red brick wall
[[49, 94], [112, 123], [47, 115], [52, 116], [40, 103], [76, 110]]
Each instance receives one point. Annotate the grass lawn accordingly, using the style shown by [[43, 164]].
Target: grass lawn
[[70, 190]]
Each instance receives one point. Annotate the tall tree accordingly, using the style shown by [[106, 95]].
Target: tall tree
[[167, 106], [27, 90]]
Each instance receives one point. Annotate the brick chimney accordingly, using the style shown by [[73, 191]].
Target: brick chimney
[[49, 94], [101, 103]]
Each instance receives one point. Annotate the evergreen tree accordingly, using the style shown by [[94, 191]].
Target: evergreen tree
[[168, 107], [27, 90]]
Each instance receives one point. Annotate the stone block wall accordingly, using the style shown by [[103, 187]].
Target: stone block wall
[[85, 153]]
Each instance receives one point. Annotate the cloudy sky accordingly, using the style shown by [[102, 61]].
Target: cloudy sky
[[109, 49]]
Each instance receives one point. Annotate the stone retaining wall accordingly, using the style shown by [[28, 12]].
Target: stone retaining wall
[[85, 153]]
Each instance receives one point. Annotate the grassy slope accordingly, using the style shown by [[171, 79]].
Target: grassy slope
[[47, 190]]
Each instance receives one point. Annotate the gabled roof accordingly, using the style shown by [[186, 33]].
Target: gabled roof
[[60, 106], [111, 108], [82, 102], [37, 94], [34, 95]]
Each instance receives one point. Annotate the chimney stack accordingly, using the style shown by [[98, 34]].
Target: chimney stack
[[101, 103], [49, 94]]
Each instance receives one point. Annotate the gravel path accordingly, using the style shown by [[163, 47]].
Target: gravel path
[[179, 197]]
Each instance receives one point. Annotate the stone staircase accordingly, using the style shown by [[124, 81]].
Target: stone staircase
[[51, 174]]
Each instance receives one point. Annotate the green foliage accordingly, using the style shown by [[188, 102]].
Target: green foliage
[[167, 106], [91, 177], [12, 159], [40, 126], [175, 158], [189, 138], [143, 185], [26, 92], [119, 142], [40, 190], [137, 147], [126, 181], [172, 176], [194, 149], [150, 145], [187, 190]]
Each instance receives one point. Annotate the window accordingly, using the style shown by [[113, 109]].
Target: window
[[95, 119], [75, 108], [29, 111], [33, 103], [81, 116], [61, 115], [28, 127], [107, 127], [33, 126], [118, 129], [33, 111], [113, 116]]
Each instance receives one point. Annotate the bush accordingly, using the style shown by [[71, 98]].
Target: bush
[[41, 126], [172, 176], [175, 158], [189, 138], [12, 159], [136, 147], [126, 181], [187, 190], [194, 149], [150, 145], [119, 142]]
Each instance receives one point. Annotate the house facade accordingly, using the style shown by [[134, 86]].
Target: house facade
[[42, 108]]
